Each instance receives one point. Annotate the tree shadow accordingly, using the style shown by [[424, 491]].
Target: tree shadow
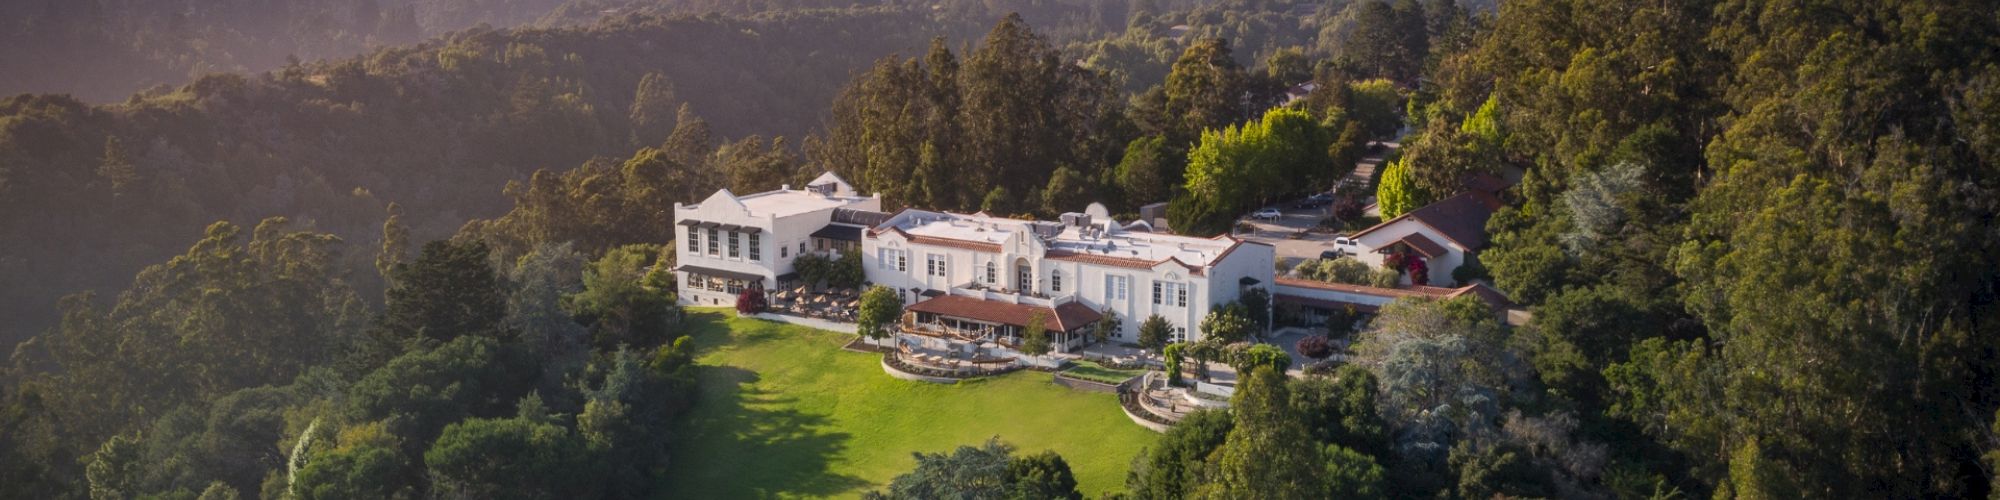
[[745, 442]]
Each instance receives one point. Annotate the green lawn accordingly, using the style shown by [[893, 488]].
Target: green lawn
[[783, 412], [1095, 372]]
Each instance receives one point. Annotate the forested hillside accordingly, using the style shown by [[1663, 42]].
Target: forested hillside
[[105, 50], [88, 194], [1757, 238]]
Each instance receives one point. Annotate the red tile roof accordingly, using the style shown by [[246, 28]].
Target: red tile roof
[[1485, 293], [951, 242], [1462, 218], [1060, 319], [1325, 304], [1423, 245], [1360, 289]]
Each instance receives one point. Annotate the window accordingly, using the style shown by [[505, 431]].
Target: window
[[1024, 278], [714, 242], [734, 251], [1180, 335], [896, 259], [784, 251], [694, 241], [1117, 287], [756, 247], [992, 273], [697, 281], [734, 287], [802, 248], [934, 264], [1055, 281], [1170, 293]]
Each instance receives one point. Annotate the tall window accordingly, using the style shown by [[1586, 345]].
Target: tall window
[[1117, 287], [992, 273], [1024, 278], [896, 259], [756, 247], [934, 264], [734, 251], [714, 242], [1055, 281], [784, 251], [694, 241], [1169, 293]]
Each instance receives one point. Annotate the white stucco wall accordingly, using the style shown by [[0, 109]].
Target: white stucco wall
[[1440, 267], [723, 207]]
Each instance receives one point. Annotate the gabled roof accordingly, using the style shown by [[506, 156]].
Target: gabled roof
[[1462, 218], [1423, 245], [1061, 318]]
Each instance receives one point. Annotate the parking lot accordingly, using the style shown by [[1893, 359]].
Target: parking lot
[[1289, 231]]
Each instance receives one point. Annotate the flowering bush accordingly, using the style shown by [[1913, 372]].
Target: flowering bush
[[750, 301], [1315, 347]]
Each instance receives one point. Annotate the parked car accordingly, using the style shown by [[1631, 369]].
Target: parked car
[[1347, 244], [1267, 214], [1332, 254]]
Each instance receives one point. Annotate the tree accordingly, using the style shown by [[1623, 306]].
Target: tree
[[1340, 409], [987, 471], [653, 109], [1149, 171], [1398, 193], [881, 308], [1205, 88], [1260, 356], [395, 244], [449, 291], [1377, 107], [1068, 191], [1224, 325], [365, 471], [1256, 304], [1351, 474], [1154, 332], [1177, 465], [1042, 475], [1173, 360], [509, 458], [1268, 454], [618, 306], [1107, 327], [1035, 337]]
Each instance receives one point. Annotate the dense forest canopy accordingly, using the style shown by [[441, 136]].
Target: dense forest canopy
[[1757, 236]]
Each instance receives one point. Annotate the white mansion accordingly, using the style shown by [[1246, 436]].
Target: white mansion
[[979, 277], [969, 274], [729, 242]]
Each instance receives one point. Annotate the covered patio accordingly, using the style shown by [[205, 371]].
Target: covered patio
[[977, 321]]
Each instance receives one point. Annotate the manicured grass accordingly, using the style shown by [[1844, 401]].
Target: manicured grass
[[1098, 373], [783, 412]]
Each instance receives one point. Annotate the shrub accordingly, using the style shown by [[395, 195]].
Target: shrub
[[750, 301], [1315, 347]]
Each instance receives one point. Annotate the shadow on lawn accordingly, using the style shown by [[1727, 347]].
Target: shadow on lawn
[[750, 443]]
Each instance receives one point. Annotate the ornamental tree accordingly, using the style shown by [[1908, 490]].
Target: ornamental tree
[[879, 308]]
